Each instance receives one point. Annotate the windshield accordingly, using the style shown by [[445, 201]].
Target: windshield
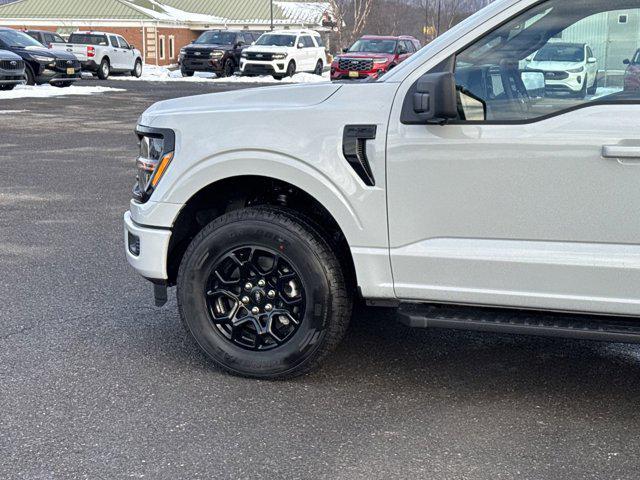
[[277, 40], [560, 53], [374, 46], [217, 38], [87, 39], [14, 39]]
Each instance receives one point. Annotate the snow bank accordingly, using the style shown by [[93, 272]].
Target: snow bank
[[152, 73], [46, 91]]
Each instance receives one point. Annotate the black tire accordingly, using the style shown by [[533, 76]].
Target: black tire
[[4, 88], [593, 89], [187, 73], [291, 69], [319, 68], [229, 68], [29, 75], [104, 70], [323, 284], [137, 69]]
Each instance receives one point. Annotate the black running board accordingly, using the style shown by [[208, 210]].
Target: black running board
[[526, 322]]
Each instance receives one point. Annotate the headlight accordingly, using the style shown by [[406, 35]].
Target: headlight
[[576, 70], [279, 56], [41, 59], [217, 54], [182, 51], [244, 55], [156, 153], [379, 61]]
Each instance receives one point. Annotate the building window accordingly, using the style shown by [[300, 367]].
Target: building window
[[623, 19], [161, 46], [172, 47]]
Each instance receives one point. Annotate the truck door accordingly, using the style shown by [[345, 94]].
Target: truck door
[[115, 53], [535, 202]]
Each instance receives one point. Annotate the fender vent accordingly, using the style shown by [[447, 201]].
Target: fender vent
[[354, 148]]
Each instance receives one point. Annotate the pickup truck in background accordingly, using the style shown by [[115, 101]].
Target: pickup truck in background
[[103, 53]]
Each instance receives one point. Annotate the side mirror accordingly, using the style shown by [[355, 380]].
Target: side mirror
[[300, 45], [626, 61], [592, 60], [433, 101], [402, 51], [345, 50], [253, 43], [529, 59], [132, 46]]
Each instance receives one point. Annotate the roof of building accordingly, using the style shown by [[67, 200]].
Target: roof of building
[[285, 12]]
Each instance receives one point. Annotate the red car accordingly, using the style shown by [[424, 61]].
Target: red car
[[372, 56], [632, 75]]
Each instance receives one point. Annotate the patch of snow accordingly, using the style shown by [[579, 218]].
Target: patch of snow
[[11, 112], [152, 73], [604, 91], [304, 12], [47, 91]]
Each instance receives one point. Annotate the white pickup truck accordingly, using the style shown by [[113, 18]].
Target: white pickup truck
[[453, 188], [103, 53]]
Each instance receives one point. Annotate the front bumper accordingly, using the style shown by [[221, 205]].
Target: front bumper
[[256, 67], [11, 77], [54, 76], [572, 84], [337, 74], [147, 249]]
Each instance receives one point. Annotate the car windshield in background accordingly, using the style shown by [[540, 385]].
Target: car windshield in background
[[216, 38], [87, 39], [560, 53], [18, 39], [374, 46], [277, 40]]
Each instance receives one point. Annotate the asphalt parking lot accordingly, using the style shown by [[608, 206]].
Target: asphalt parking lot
[[95, 382]]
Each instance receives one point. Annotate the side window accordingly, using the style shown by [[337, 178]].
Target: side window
[[307, 41], [123, 43], [248, 38], [114, 41], [57, 38], [319, 41], [48, 39], [408, 46], [557, 56]]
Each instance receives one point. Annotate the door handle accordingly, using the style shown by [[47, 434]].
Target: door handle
[[621, 151]]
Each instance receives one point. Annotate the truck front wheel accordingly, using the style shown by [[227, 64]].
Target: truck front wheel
[[263, 293]]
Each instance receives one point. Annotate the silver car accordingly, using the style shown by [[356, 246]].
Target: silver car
[[11, 70]]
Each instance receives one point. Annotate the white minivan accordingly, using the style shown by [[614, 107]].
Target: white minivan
[[282, 53]]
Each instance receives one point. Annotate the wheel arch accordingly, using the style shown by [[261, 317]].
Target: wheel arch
[[241, 191]]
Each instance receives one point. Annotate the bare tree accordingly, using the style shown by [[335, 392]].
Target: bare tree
[[351, 19]]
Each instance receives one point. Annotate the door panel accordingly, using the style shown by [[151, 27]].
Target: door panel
[[538, 205], [523, 215]]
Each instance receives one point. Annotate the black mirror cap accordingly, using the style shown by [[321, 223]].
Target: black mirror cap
[[345, 50], [626, 61], [431, 100]]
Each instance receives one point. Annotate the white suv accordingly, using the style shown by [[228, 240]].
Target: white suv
[[282, 53]]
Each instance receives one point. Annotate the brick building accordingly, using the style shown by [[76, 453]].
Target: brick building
[[160, 29]]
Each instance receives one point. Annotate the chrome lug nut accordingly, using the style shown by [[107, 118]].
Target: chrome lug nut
[[268, 307], [261, 283], [245, 300], [255, 310], [271, 294], [284, 321], [248, 286]]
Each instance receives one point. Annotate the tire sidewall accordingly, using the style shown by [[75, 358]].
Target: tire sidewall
[[193, 277], [104, 70]]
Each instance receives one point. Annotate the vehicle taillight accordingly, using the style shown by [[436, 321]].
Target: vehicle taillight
[[91, 52]]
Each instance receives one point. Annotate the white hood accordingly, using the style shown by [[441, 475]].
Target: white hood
[[554, 66]]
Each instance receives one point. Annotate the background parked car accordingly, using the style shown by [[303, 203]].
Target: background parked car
[[216, 51], [632, 73], [568, 68], [372, 56], [44, 37], [103, 53], [11, 70], [282, 53], [42, 65]]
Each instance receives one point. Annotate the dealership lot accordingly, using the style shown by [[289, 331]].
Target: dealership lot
[[98, 383]]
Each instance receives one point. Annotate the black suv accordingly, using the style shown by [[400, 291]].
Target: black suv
[[41, 64], [216, 51], [44, 37]]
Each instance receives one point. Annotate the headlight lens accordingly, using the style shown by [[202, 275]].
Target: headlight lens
[[244, 55], [379, 61], [156, 153], [576, 70], [279, 56], [217, 54], [42, 59]]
